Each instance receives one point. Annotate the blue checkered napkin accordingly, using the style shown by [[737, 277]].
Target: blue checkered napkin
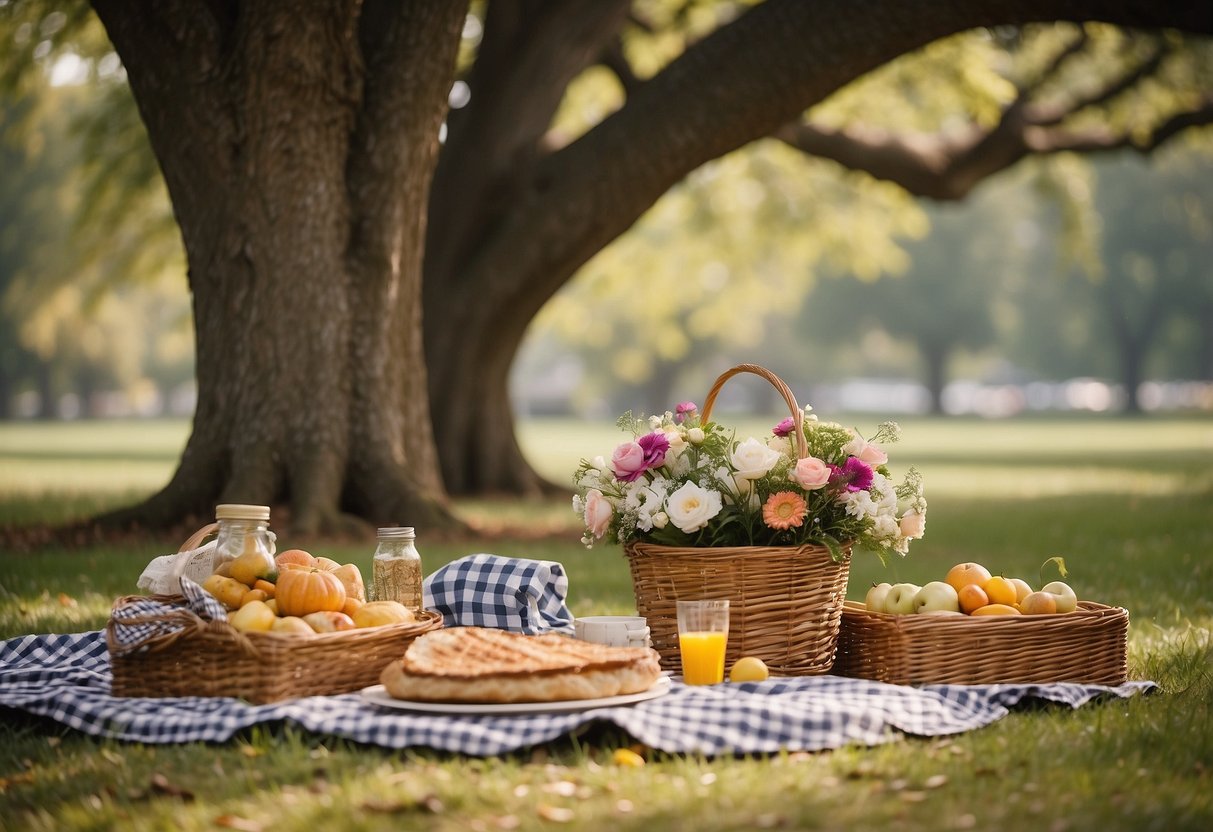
[[67, 678], [524, 596], [137, 622]]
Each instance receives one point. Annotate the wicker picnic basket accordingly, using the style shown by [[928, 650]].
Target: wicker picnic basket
[[785, 602], [212, 658], [1087, 645]]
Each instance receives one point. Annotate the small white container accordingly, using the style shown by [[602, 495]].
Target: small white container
[[614, 630]]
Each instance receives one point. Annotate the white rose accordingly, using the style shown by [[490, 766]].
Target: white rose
[[752, 459], [691, 507], [660, 520], [780, 444], [695, 436]]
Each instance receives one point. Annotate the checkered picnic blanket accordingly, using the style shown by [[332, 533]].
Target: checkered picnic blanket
[[67, 678]]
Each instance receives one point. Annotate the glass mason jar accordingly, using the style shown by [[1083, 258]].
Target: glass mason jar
[[243, 535], [397, 567]]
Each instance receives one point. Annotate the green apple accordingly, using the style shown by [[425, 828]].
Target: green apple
[[900, 600], [876, 597], [937, 595], [1066, 600]]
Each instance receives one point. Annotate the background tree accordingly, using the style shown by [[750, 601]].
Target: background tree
[[298, 141], [553, 202]]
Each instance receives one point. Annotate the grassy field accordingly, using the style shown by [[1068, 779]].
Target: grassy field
[[1127, 503]]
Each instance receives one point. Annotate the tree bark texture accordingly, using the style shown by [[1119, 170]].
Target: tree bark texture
[[298, 147]]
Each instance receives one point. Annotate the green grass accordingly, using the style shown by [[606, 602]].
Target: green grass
[[1127, 503]]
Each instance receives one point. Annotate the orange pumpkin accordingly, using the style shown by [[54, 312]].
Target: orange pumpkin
[[303, 591]]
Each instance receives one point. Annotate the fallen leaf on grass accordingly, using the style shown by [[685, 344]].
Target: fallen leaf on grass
[[161, 785], [429, 803], [935, 781], [239, 823], [66, 600], [913, 797], [563, 788], [556, 814], [15, 780]]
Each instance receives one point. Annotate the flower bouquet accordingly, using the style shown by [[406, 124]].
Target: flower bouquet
[[769, 523]]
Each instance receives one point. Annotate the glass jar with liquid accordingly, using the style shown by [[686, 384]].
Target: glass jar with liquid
[[244, 535], [397, 567]]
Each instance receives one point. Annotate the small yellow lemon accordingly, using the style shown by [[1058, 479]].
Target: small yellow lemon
[[748, 669]]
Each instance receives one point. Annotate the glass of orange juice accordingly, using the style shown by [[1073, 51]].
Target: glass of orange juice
[[703, 634]]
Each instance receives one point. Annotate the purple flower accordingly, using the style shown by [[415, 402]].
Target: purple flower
[[785, 427], [654, 445], [632, 459], [685, 411], [854, 473]]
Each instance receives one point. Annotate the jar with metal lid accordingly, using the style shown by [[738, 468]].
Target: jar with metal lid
[[397, 567], [244, 541]]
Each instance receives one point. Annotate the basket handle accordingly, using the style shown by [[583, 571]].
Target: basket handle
[[802, 446], [195, 539]]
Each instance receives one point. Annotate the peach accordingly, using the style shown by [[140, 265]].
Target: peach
[[964, 574], [971, 597]]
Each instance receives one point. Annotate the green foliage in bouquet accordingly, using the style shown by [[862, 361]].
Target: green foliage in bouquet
[[683, 482]]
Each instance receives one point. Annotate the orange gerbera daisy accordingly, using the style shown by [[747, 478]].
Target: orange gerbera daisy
[[784, 509]]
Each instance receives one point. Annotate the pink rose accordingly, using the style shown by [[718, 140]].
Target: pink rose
[[913, 524], [865, 451], [811, 473], [598, 512], [628, 461]]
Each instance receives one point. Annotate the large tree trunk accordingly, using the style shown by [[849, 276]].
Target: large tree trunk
[[511, 222], [304, 228]]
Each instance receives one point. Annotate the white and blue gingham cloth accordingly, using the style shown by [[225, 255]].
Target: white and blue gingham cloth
[[67, 678], [523, 596]]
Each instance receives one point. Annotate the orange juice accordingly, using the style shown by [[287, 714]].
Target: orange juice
[[702, 657]]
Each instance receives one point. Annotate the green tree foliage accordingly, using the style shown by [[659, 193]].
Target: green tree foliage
[[89, 304]]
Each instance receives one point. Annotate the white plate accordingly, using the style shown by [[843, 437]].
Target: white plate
[[377, 695]]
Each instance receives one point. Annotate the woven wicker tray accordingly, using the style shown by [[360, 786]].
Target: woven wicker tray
[[1087, 645], [211, 658]]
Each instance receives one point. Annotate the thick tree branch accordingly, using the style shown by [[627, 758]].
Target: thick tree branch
[[529, 54], [614, 59], [722, 93]]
